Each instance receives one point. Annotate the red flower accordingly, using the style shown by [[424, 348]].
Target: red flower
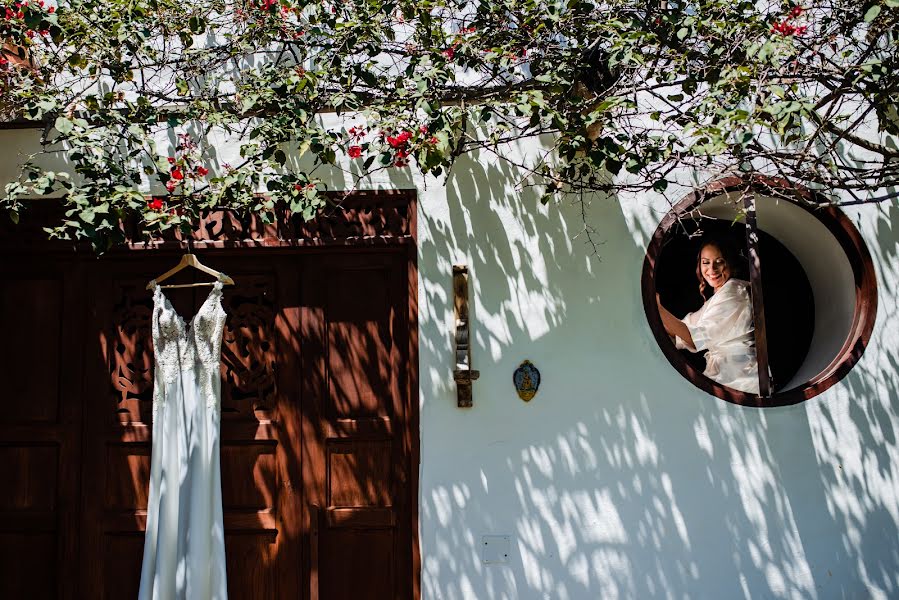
[[171, 160], [423, 129], [51, 10], [354, 151], [796, 11], [202, 171], [155, 203], [784, 28], [177, 174], [450, 53], [170, 185], [399, 140], [298, 187]]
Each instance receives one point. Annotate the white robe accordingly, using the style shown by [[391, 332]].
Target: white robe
[[723, 326]]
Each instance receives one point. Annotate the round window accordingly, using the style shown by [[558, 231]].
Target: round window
[[802, 270]]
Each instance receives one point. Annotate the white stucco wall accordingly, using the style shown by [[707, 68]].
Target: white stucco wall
[[621, 479]]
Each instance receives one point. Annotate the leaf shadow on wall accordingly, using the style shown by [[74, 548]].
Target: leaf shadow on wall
[[620, 479]]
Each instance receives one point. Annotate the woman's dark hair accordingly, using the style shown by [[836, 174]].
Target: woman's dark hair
[[728, 252]]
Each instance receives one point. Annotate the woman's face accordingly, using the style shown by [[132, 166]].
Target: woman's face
[[713, 266]]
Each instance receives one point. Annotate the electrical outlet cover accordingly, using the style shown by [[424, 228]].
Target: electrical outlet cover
[[495, 549]]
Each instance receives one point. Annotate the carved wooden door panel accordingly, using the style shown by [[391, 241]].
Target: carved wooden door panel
[[357, 427], [259, 449], [40, 366], [318, 471]]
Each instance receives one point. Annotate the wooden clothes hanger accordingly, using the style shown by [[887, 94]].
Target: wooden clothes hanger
[[189, 260]]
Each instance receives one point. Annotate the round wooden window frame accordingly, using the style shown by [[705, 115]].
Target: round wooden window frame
[[850, 240]]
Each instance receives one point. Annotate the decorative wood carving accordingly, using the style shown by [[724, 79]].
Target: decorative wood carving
[[130, 352], [360, 216], [248, 348], [356, 217]]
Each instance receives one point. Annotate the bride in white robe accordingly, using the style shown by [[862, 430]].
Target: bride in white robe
[[722, 326]]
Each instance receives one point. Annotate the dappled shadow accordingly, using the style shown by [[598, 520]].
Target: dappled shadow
[[620, 479]]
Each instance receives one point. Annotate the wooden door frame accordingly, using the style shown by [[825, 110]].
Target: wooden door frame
[[367, 220]]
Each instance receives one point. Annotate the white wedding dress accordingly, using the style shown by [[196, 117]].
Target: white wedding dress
[[184, 547]]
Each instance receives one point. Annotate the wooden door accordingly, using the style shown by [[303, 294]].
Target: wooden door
[[318, 450], [40, 365], [358, 427]]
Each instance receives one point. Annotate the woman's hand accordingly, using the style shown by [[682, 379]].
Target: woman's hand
[[674, 326]]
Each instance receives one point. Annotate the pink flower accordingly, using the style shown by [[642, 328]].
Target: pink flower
[[170, 185], [354, 151], [423, 129]]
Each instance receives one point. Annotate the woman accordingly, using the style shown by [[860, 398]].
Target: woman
[[723, 324]]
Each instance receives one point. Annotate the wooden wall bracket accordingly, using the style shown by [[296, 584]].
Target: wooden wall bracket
[[463, 373]]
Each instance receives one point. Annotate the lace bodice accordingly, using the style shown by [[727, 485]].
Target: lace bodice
[[180, 347]]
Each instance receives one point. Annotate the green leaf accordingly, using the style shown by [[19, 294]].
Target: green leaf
[[63, 125], [872, 13], [197, 25], [660, 186]]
